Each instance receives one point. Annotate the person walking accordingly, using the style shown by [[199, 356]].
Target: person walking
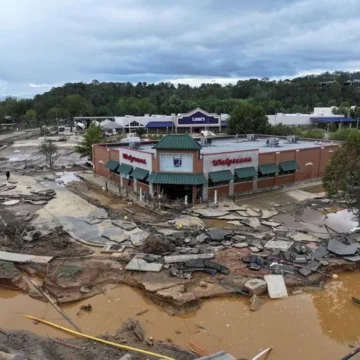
[[7, 175]]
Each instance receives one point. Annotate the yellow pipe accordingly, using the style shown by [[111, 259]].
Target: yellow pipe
[[97, 339]]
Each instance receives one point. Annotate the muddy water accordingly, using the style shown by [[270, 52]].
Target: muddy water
[[308, 326]]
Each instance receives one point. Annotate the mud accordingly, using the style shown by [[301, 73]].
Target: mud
[[321, 324]]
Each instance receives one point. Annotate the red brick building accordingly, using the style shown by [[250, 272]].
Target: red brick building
[[180, 166]]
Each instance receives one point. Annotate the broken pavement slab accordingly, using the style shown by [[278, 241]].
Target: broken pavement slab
[[22, 258], [171, 259], [210, 213], [253, 212], [115, 234], [270, 223], [340, 248], [139, 264], [279, 244], [10, 202], [276, 286], [125, 225], [218, 234], [267, 214], [252, 222]]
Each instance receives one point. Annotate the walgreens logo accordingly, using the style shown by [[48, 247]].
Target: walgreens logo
[[133, 158], [229, 162]]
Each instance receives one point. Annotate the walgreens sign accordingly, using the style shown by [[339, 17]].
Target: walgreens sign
[[133, 159], [228, 161]]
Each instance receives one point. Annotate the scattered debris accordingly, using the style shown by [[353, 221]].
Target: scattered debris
[[276, 286], [139, 264], [87, 308], [256, 303], [255, 286], [184, 258], [341, 249]]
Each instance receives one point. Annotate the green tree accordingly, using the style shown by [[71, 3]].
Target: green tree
[[30, 116], [92, 136], [342, 176], [141, 131], [78, 106], [248, 118], [342, 134]]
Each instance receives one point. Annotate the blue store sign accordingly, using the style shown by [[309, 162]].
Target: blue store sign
[[198, 118]]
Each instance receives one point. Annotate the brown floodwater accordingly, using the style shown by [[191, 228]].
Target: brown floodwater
[[320, 325]]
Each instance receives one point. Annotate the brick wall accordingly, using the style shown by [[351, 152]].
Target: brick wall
[[221, 190], [243, 187], [144, 187], [264, 183], [101, 156], [284, 179]]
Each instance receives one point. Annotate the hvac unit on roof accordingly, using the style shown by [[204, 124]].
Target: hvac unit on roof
[[252, 137], [292, 139], [272, 142]]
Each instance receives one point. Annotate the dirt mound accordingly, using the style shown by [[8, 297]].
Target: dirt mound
[[157, 245]]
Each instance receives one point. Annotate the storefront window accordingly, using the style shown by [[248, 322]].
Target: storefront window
[[239, 180], [220, 183], [177, 160], [260, 176], [289, 172]]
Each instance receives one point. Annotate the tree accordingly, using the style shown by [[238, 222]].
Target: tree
[[78, 106], [342, 176], [141, 131], [248, 118], [92, 136], [30, 116], [50, 150]]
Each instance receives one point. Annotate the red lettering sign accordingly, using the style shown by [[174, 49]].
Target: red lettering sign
[[133, 158], [229, 162]]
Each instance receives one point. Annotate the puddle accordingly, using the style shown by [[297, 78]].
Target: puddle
[[64, 178], [341, 221], [314, 326]]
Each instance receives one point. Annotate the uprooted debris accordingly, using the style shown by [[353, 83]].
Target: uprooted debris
[[133, 330], [158, 245]]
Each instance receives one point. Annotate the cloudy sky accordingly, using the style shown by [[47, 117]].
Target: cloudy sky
[[46, 43]]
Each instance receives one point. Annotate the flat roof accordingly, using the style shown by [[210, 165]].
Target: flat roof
[[242, 144]]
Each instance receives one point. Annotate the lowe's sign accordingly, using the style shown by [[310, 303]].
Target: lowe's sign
[[198, 118]]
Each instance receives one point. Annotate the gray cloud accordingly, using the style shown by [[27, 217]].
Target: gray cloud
[[46, 43]]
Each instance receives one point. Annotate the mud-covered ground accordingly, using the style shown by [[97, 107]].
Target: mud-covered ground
[[34, 347]]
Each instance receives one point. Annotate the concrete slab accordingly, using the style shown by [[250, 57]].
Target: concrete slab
[[279, 244], [231, 217], [252, 222], [94, 221], [276, 286], [138, 238], [22, 258], [210, 213], [172, 259], [126, 225], [138, 264], [270, 223], [252, 212], [267, 214], [10, 202], [115, 234], [339, 248]]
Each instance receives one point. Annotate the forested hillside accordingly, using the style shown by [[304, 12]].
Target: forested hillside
[[301, 94]]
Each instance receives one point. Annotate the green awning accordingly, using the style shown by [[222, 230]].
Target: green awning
[[177, 179], [140, 174], [267, 169], [124, 169], [245, 172], [220, 176], [289, 165], [112, 165]]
